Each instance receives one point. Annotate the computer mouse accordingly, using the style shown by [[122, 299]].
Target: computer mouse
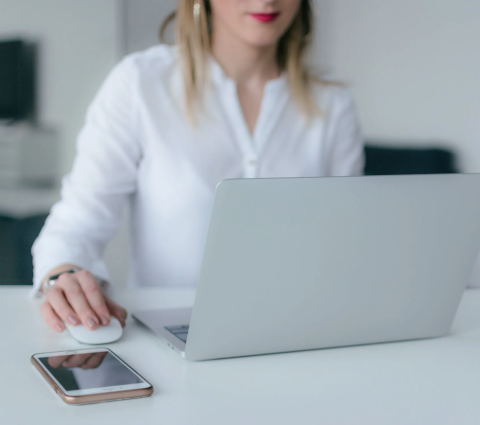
[[101, 335]]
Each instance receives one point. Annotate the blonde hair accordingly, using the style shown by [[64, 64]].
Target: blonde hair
[[193, 39]]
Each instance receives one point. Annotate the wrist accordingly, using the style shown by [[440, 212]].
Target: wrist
[[51, 280]]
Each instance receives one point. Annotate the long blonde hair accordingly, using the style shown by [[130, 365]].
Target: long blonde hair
[[193, 39]]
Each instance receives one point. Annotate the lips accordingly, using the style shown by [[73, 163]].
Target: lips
[[265, 17]]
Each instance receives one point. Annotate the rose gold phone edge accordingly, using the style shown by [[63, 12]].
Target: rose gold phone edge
[[93, 398]]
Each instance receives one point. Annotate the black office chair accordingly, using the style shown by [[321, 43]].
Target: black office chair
[[383, 160], [16, 240]]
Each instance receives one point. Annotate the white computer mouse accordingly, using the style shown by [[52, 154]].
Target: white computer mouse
[[101, 335]]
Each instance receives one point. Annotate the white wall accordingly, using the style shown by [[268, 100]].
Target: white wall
[[142, 22], [79, 44], [80, 41], [414, 66]]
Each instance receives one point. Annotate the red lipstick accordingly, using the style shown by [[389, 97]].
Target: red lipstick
[[265, 17]]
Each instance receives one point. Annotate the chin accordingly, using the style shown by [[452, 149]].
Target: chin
[[262, 40]]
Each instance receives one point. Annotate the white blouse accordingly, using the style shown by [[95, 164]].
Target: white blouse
[[137, 147]]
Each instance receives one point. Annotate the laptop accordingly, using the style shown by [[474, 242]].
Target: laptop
[[307, 263]]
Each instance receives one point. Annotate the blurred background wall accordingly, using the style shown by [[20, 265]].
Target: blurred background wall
[[79, 42], [414, 67]]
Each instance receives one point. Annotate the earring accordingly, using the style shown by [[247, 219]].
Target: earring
[[196, 13]]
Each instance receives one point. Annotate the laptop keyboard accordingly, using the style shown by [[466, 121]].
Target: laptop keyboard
[[181, 332]]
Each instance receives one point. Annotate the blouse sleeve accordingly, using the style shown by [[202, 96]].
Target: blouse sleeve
[[344, 139], [103, 175]]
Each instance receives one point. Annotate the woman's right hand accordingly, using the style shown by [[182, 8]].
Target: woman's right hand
[[78, 298]]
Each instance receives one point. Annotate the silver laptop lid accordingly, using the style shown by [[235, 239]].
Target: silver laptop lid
[[296, 264]]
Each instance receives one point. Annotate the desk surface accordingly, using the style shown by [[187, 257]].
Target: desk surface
[[435, 381]]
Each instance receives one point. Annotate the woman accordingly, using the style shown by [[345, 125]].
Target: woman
[[231, 99]]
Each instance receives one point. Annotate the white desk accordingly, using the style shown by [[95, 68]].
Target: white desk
[[433, 381]]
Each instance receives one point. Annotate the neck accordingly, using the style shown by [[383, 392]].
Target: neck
[[244, 63]]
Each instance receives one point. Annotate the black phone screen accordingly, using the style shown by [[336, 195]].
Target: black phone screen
[[84, 371]]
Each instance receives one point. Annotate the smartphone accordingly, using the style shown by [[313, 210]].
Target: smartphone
[[90, 376]]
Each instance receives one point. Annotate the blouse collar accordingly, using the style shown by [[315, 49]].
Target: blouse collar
[[219, 76]]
